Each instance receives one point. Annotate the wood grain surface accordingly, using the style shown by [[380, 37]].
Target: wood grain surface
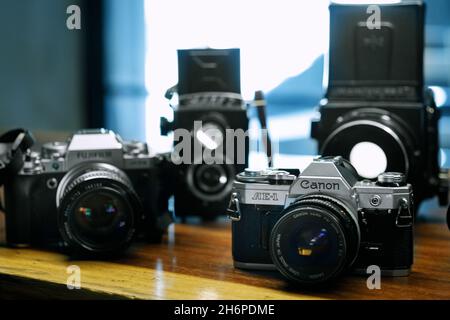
[[194, 262]]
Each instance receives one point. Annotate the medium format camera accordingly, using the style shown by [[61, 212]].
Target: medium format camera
[[315, 226], [90, 195], [377, 113], [208, 95]]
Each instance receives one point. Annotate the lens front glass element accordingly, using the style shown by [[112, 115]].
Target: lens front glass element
[[98, 209], [101, 218], [310, 244], [368, 159], [210, 135], [211, 178], [312, 247]]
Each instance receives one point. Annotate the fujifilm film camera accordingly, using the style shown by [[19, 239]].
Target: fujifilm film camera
[[91, 195], [315, 226]]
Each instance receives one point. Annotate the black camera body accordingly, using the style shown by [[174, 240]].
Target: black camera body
[[377, 113], [203, 189], [315, 226], [91, 195], [389, 125], [213, 116]]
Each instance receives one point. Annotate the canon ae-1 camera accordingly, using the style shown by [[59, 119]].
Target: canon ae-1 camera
[[92, 194], [314, 226]]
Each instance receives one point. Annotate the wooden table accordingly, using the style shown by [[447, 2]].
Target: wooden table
[[194, 262]]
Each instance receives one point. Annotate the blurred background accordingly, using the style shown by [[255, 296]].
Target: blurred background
[[114, 72]]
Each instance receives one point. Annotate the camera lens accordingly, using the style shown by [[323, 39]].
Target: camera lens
[[369, 159], [210, 135], [211, 178], [316, 239], [210, 182], [100, 217], [373, 140], [98, 209]]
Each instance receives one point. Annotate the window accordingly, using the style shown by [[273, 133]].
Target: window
[[282, 46], [278, 40]]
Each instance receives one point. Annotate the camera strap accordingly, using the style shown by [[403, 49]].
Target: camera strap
[[261, 108], [13, 145]]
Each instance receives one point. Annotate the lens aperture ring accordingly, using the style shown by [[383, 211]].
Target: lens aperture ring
[[97, 174]]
